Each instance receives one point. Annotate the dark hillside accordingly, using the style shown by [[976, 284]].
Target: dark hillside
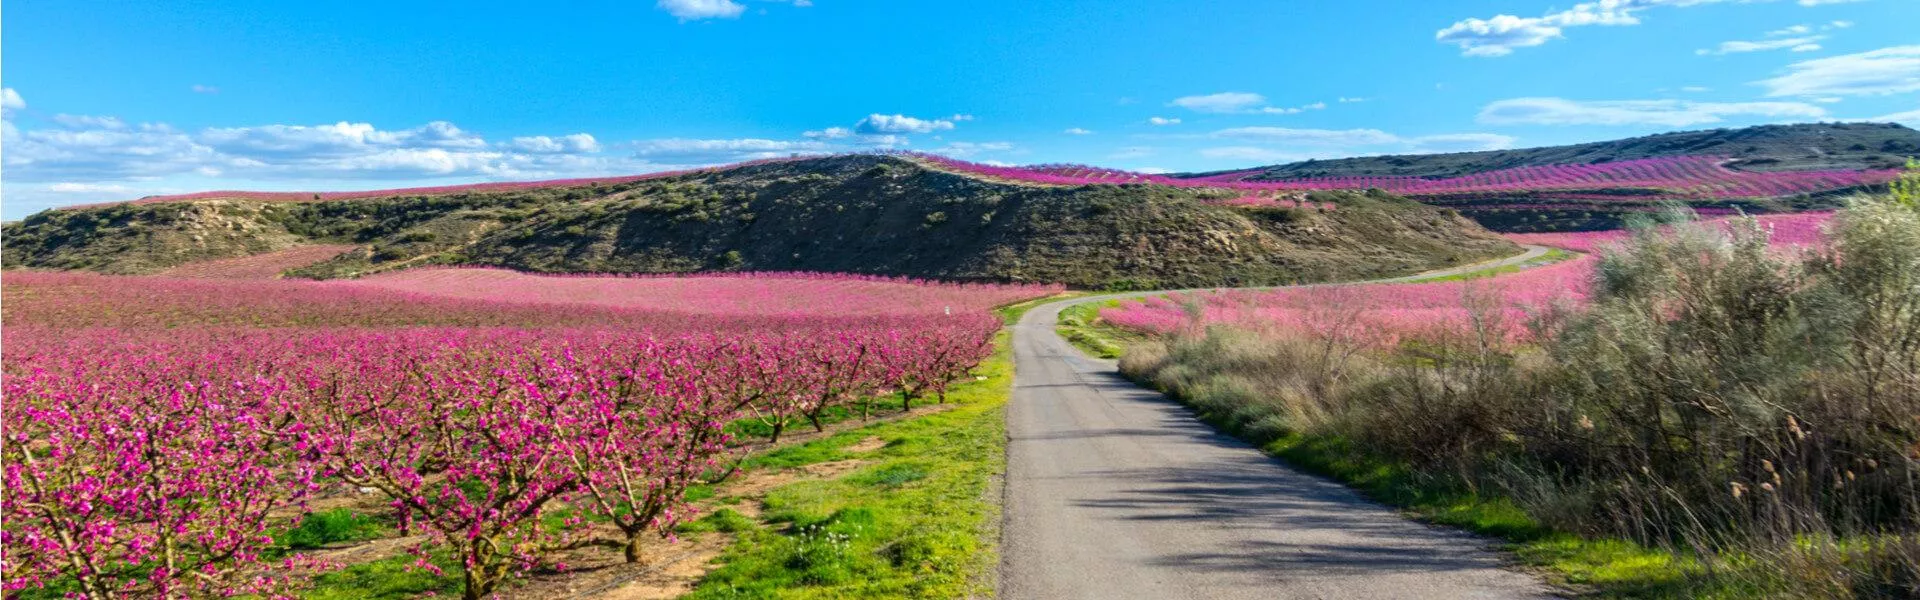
[[859, 214], [1811, 146]]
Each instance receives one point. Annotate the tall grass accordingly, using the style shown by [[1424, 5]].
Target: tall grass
[[1754, 409]]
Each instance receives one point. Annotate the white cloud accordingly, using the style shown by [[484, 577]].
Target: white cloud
[[965, 149], [879, 123], [1462, 142], [1224, 102], [576, 143], [1890, 70], [99, 150], [1820, 2], [1320, 137], [1238, 103], [204, 89], [1667, 113], [1250, 153], [830, 133], [1792, 30], [1798, 44], [1346, 100], [89, 121], [1696, 89], [1279, 144], [67, 187], [1910, 118], [694, 10], [1163, 120], [338, 139], [1501, 34], [716, 151], [1077, 131], [10, 100], [960, 117]]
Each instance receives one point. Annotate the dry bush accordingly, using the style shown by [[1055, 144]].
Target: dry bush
[[1717, 396]]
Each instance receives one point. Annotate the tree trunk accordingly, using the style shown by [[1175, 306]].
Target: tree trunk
[[633, 548]]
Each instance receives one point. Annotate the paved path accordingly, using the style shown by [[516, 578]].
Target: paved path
[[1114, 492]]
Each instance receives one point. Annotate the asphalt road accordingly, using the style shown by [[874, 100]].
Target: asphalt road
[[1114, 492]]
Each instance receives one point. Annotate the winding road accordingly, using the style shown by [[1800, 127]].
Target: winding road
[[1114, 491]]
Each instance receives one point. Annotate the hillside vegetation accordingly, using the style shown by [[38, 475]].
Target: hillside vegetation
[[859, 214], [1798, 147]]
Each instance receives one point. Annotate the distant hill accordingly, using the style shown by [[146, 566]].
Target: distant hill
[[856, 213], [1811, 146]]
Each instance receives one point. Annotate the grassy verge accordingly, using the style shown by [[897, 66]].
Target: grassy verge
[[1592, 567], [1080, 325], [910, 521], [1607, 568], [1553, 255]]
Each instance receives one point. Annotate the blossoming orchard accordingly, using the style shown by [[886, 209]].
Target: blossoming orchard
[[161, 430]]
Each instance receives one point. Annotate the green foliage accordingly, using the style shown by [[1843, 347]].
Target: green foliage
[[910, 525], [393, 578], [1724, 420], [317, 530], [1906, 189]]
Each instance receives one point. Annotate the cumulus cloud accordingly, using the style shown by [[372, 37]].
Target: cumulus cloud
[[576, 143], [1666, 113], [97, 150], [1078, 131], [694, 10], [10, 100], [1890, 70], [1163, 121], [1501, 34], [897, 123]]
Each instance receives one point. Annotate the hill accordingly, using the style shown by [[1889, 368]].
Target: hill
[[857, 214], [1798, 147]]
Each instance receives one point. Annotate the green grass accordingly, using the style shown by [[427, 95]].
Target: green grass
[[393, 577], [912, 524], [1603, 568], [335, 526], [1080, 325]]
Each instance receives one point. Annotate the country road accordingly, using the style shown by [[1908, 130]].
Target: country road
[[1114, 491]]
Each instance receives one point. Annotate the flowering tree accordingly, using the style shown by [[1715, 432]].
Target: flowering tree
[[132, 474]]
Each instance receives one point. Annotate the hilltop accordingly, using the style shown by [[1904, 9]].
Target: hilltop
[[1798, 147], [855, 213]]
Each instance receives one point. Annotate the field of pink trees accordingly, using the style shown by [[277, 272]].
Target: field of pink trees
[[1381, 315], [160, 430]]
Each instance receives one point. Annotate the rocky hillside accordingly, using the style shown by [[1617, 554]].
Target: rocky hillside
[[860, 214]]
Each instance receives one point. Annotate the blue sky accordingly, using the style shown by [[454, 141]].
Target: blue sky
[[116, 100]]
